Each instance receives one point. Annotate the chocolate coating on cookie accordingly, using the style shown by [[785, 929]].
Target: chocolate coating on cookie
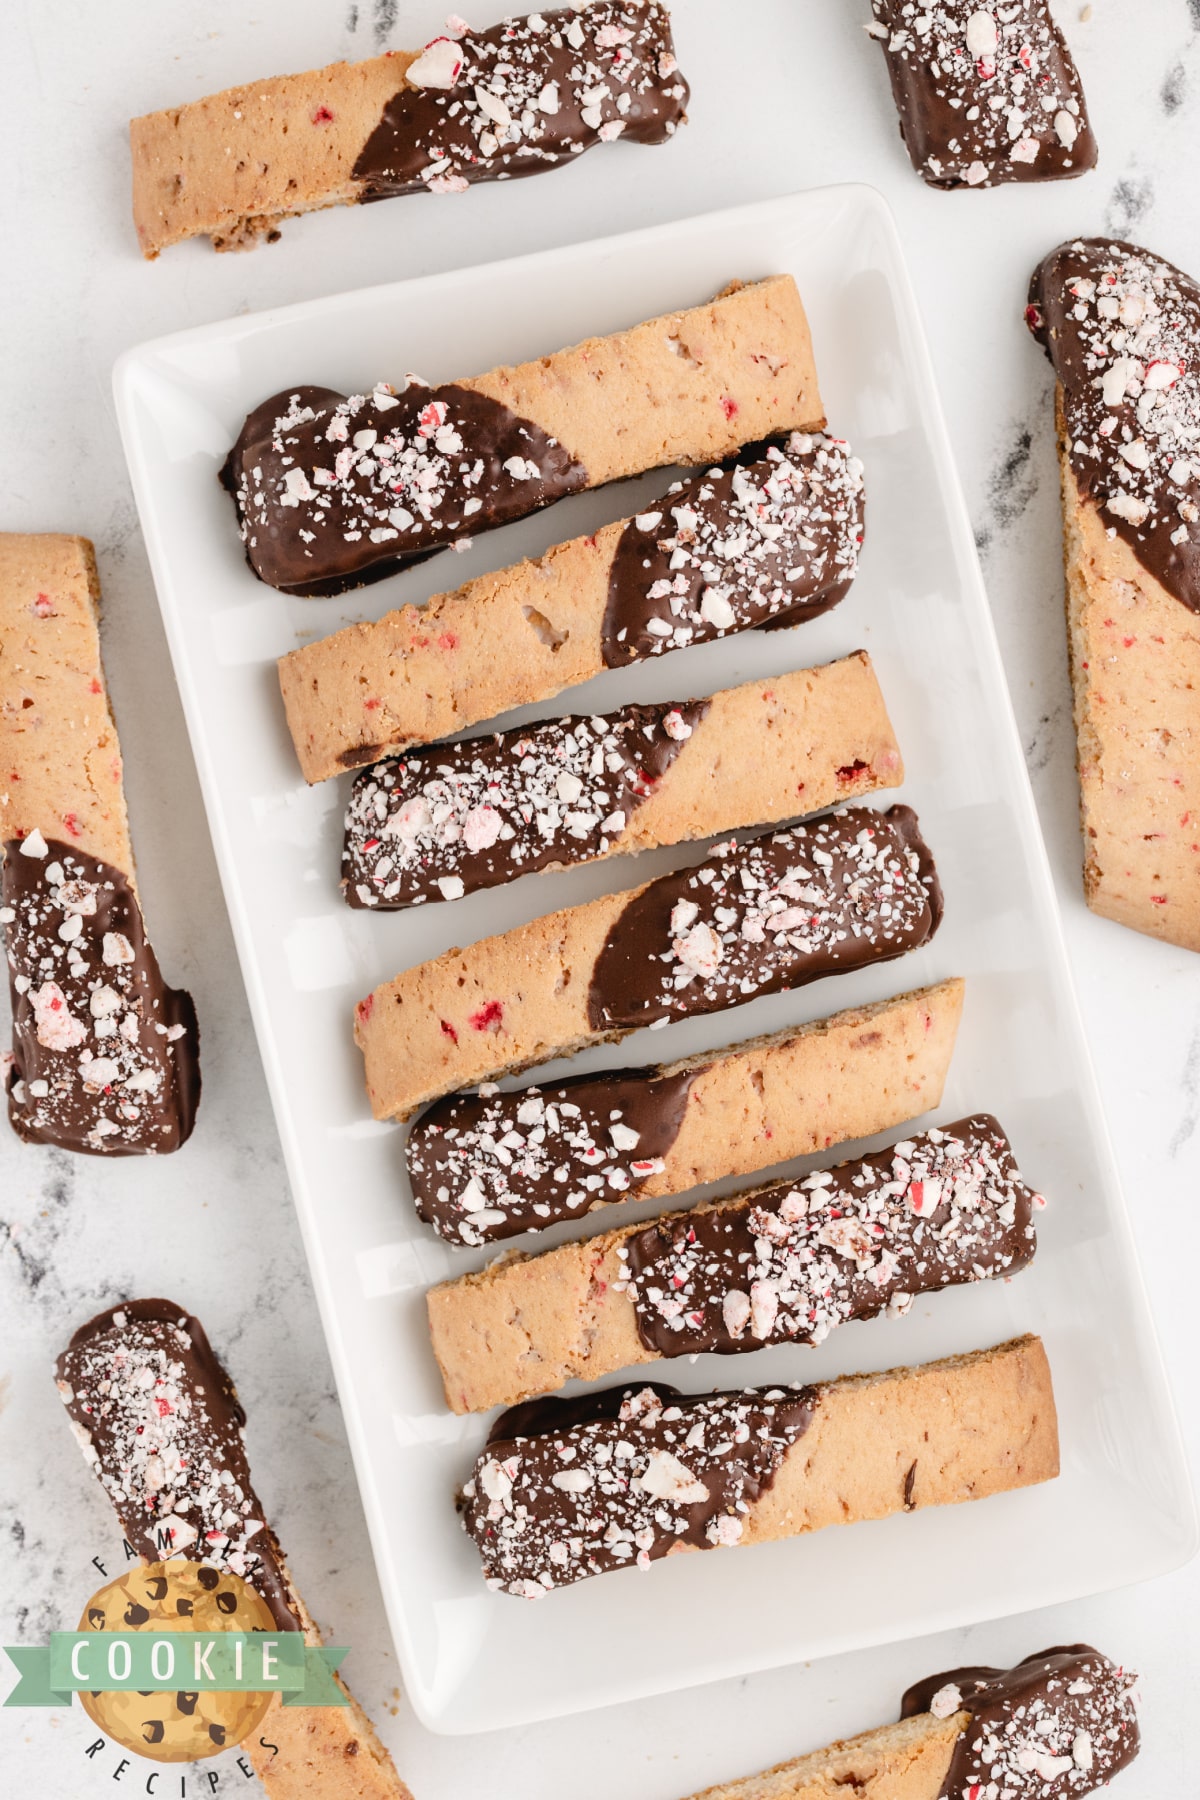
[[1058, 1725], [160, 1424], [985, 94], [794, 1261], [1122, 330], [770, 542], [105, 1055], [334, 491], [437, 824], [572, 1488], [525, 96], [768, 913], [488, 1166]]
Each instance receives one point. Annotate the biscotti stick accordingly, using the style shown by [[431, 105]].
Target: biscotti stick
[[524, 96], [571, 1488], [1122, 329], [780, 1265], [460, 817], [1061, 1723], [159, 1422], [773, 541], [985, 94], [333, 491], [770, 913], [488, 1166], [105, 1055]]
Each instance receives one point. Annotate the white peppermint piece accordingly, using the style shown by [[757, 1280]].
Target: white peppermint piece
[[666, 1478], [34, 844], [946, 1702], [982, 35], [56, 1027], [439, 65]]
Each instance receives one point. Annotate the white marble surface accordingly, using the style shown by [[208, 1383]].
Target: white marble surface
[[786, 95]]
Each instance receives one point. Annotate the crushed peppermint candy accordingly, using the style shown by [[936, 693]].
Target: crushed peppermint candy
[[568, 1489], [524, 96], [767, 914], [333, 490], [774, 540], [1059, 1725], [105, 1054], [789, 1263], [487, 810], [158, 1421], [1122, 329], [490, 1165], [985, 94]]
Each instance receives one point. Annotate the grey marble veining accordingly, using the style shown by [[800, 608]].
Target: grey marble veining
[[785, 96]]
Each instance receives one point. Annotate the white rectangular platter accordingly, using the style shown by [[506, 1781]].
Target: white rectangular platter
[[1122, 1509]]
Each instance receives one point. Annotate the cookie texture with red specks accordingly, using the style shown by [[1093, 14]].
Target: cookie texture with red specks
[[488, 1166], [60, 759], [105, 1057], [773, 541], [530, 94], [759, 915], [1135, 670], [986, 94], [461, 817], [334, 490], [785, 1264], [567, 1489]]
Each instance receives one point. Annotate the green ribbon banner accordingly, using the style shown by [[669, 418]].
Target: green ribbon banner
[[225, 1662]]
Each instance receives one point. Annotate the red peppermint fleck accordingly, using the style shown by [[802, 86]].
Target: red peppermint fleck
[[96, 686], [448, 1030], [448, 641], [72, 824], [372, 705], [43, 606], [1158, 899], [729, 407], [488, 1017], [851, 771], [1129, 642], [1033, 317], [364, 1009], [164, 1407], [322, 116]]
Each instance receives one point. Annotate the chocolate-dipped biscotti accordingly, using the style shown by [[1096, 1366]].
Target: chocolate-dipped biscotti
[[772, 540], [105, 1056], [759, 916], [437, 824], [985, 94], [1060, 1724], [779, 1265], [159, 1423], [333, 490], [488, 1166], [571, 1488], [1122, 329], [524, 96]]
